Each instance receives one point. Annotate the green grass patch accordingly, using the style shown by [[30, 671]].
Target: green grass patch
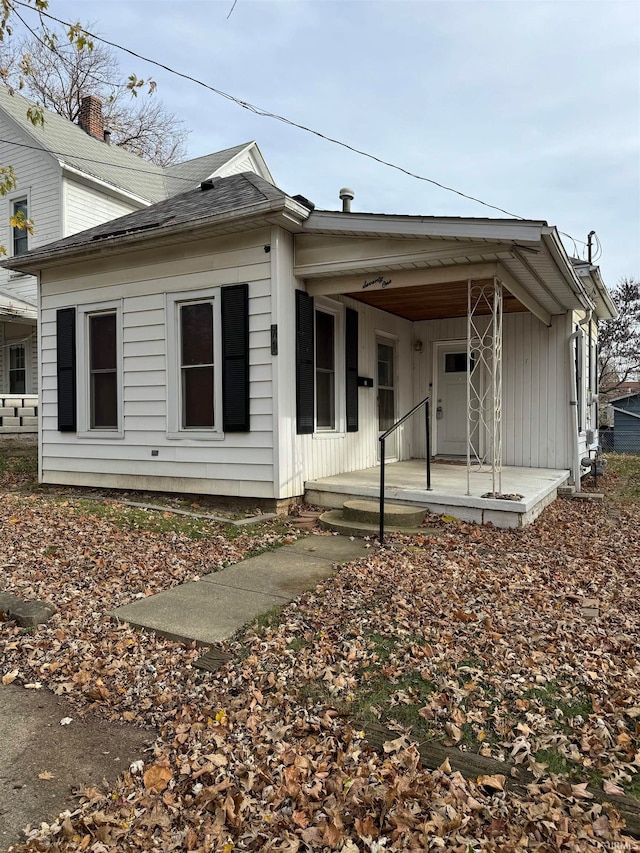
[[550, 697], [22, 464], [376, 700], [134, 518], [625, 466]]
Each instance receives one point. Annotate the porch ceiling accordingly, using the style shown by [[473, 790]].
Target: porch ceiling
[[430, 302]]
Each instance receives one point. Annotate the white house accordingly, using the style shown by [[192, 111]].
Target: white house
[[234, 341], [68, 179]]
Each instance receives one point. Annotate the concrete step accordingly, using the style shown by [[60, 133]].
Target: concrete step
[[368, 512], [335, 521]]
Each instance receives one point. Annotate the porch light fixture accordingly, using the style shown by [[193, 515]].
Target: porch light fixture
[[417, 347]]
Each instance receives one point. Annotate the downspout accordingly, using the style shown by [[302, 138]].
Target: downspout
[[573, 403]]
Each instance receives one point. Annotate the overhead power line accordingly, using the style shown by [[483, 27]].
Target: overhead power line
[[268, 114]]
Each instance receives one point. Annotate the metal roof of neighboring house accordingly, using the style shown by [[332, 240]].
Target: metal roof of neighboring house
[[71, 146], [240, 193]]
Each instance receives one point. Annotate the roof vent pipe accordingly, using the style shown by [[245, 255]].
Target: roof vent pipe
[[347, 195], [107, 137]]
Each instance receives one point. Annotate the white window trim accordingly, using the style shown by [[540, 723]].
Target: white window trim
[[83, 379], [18, 195], [330, 306], [175, 430], [28, 346]]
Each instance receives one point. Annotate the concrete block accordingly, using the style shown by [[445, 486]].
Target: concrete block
[[28, 614], [26, 412], [7, 412], [14, 401], [30, 422], [7, 601], [8, 422]]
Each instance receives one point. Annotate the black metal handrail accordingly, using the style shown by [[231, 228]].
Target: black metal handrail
[[382, 440]]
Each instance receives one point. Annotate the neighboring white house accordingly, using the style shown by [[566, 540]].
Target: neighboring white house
[[68, 179], [234, 341]]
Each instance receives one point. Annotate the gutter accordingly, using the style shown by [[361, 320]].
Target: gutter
[[67, 253]]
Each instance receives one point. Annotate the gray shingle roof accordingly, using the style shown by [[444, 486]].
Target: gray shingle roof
[[199, 168], [233, 193], [69, 144]]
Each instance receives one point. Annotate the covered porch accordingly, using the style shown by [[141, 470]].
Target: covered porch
[[530, 490], [480, 317]]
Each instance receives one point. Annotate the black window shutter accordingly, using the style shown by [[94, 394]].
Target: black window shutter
[[66, 347], [235, 357], [351, 364], [304, 363]]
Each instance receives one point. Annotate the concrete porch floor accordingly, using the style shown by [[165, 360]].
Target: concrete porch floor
[[406, 483]]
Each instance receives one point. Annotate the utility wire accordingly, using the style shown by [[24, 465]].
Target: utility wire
[[161, 175], [267, 114]]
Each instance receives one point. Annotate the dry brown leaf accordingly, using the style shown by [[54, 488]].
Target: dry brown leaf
[[10, 677], [495, 781], [157, 777], [46, 774]]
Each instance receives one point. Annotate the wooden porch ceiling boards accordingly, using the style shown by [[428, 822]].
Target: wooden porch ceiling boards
[[431, 302]]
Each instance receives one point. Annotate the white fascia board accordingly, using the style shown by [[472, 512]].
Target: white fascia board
[[565, 268], [105, 188], [425, 226], [605, 306]]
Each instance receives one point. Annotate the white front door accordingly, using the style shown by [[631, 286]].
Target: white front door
[[451, 400]]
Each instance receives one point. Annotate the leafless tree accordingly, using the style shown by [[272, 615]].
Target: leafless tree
[[56, 74]]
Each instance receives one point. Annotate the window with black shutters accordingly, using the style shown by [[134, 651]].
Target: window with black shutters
[[103, 371], [197, 365], [325, 337]]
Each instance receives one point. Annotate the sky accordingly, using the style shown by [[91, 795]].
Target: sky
[[533, 107]]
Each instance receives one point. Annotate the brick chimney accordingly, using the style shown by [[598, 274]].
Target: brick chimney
[[91, 120]]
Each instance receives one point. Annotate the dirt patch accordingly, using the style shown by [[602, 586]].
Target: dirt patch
[[42, 763]]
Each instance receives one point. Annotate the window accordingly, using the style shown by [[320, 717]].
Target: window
[[19, 208], [17, 369], [103, 371], [194, 347], [326, 367], [325, 334], [197, 365], [93, 365]]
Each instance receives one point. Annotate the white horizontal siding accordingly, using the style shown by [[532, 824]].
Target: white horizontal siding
[[183, 464], [38, 178], [535, 393], [86, 207]]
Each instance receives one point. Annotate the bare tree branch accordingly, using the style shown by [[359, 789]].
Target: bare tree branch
[[57, 75], [619, 339]]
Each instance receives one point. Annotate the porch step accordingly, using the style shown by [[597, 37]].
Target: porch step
[[368, 512], [362, 518]]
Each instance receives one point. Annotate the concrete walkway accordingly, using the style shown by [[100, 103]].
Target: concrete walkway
[[216, 606]]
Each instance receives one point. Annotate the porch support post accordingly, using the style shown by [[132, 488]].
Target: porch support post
[[484, 382]]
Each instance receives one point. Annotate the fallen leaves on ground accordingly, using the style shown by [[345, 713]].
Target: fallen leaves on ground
[[474, 637]]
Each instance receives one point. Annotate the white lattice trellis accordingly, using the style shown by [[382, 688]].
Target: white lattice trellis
[[484, 382]]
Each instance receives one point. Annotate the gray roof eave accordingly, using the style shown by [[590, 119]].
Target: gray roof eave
[[562, 262], [424, 226], [288, 212]]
